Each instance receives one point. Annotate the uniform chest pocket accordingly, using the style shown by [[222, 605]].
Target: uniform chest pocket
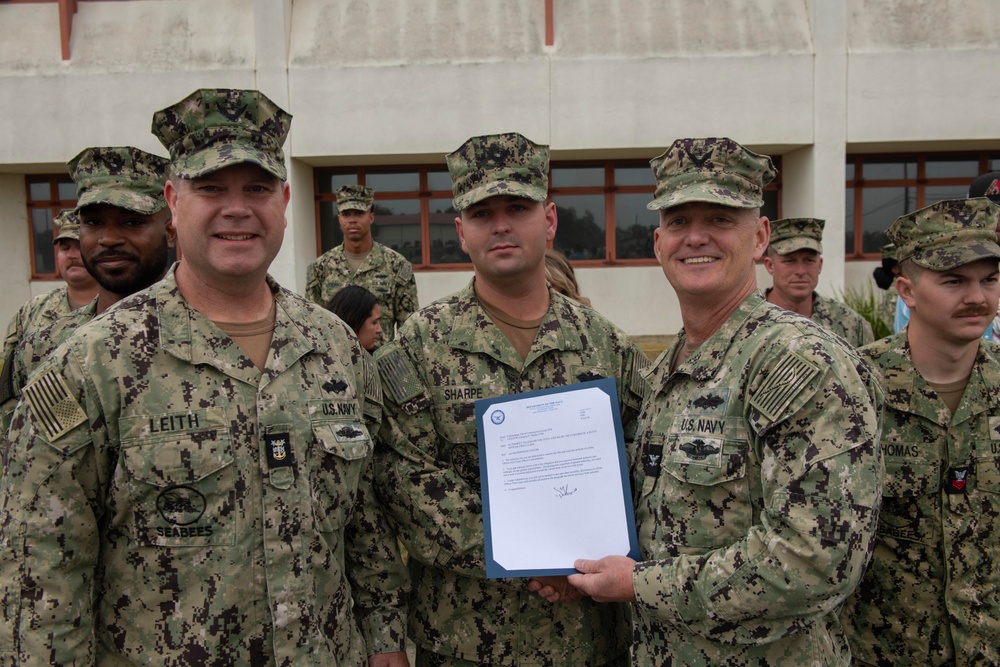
[[911, 499], [459, 447], [988, 475], [709, 490], [343, 450], [182, 489]]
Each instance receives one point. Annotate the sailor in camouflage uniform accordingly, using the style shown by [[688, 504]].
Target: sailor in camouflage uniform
[[190, 473], [505, 333], [756, 469], [125, 239], [794, 259], [41, 311], [360, 260], [929, 596]]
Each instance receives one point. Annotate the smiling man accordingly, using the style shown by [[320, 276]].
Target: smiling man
[[506, 332], [756, 471], [930, 594], [125, 237], [362, 261], [190, 473], [794, 259]]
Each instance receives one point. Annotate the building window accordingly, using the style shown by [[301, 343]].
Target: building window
[[47, 197], [881, 188], [601, 207]]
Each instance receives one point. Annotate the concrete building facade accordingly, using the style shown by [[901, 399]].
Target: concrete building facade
[[842, 92]]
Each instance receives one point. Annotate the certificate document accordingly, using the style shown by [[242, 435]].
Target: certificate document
[[554, 479]]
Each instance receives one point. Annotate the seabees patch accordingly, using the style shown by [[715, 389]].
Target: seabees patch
[[786, 380], [54, 408]]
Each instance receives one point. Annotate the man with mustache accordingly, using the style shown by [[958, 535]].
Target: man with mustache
[[41, 311], [507, 332], [362, 261], [794, 259], [929, 596], [125, 240]]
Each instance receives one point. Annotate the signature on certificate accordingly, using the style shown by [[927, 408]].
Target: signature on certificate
[[563, 491]]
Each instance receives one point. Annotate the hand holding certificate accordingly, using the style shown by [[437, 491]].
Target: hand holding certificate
[[554, 479]]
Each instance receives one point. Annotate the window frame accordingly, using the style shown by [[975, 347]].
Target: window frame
[[609, 189], [55, 207], [920, 182]]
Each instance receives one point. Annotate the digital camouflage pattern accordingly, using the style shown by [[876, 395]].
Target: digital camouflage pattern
[[355, 198], [498, 164], [929, 596], [716, 171], [757, 478], [120, 176], [842, 320], [791, 234], [38, 313], [384, 272], [167, 502], [213, 128], [448, 355], [947, 234], [67, 225]]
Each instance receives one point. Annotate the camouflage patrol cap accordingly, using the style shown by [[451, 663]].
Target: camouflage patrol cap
[[888, 251], [121, 176], [791, 234], [67, 225], [355, 198], [498, 164], [947, 234], [715, 171], [214, 128]]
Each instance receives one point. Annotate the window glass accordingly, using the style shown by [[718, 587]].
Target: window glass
[[67, 189], [445, 246], [634, 225], [580, 234], [397, 225], [884, 168], [849, 221], [770, 207], [41, 229], [849, 171], [329, 228], [40, 190], [936, 193], [571, 177], [329, 183], [995, 164], [638, 175], [393, 181], [439, 180], [880, 208], [952, 168]]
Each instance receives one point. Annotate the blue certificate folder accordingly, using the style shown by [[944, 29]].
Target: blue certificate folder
[[493, 409]]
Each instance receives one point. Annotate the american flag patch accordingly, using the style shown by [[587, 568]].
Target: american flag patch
[[55, 410], [783, 384], [399, 380]]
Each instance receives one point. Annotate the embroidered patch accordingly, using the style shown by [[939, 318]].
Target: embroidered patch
[[7, 378], [788, 378], [399, 379], [279, 450], [56, 411]]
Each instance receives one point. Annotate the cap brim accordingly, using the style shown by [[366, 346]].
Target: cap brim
[[354, 206], [941, 259], [66, 235], [219, 157], [706, 194], [786, 246], [122, 197], [498, 188]]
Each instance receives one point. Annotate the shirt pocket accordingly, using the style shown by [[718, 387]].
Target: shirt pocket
[[343, 450], [911, 497], [707, 492], [456, 425], [182, 488]]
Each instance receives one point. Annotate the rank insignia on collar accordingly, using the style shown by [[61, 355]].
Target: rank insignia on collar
[[279, 450], [957, 477]]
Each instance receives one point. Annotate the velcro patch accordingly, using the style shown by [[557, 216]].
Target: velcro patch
[[790, 376], [399, 379], [373, 388], [7, 377], [56, 411]]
